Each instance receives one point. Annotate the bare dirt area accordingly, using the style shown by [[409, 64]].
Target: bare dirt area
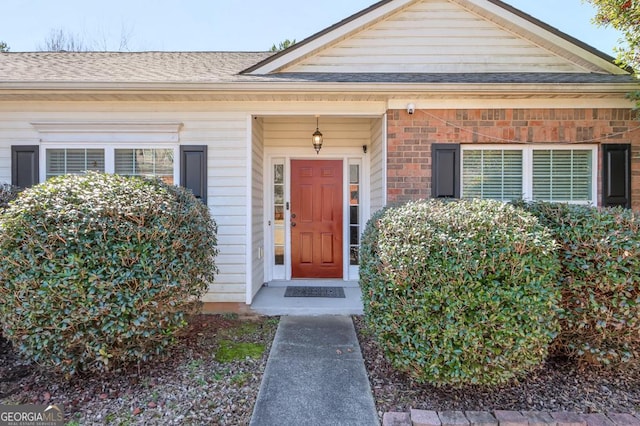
[[212, 376], [559, 385]]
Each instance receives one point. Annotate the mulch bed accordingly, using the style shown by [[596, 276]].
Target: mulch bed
[[187, 386], [559, 385]]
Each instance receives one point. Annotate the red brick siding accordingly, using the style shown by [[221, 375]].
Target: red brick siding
[[410, 138]]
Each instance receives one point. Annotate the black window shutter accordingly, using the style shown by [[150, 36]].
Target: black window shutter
[[616, 175], [24, 165], [193, 170], [445, 181]]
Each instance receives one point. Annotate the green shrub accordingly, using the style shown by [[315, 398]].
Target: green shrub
[[101, 270], [460, 292], [8, 193], [600, 277]]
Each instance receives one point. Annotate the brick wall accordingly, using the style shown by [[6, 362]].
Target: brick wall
[[410, 138]]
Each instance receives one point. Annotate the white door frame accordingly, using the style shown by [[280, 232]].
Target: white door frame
[[278, 155]]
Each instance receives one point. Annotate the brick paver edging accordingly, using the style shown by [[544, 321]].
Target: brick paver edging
[[506, 418]]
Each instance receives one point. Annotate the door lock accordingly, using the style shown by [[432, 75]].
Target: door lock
[[293, 215]]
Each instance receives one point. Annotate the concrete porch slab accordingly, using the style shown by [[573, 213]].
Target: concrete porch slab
[[270, 300]]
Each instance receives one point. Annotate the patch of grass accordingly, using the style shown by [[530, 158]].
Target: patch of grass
[[240, 378], [236, 351], [230, 316], [194, 364], [272, 321], [219, 375]]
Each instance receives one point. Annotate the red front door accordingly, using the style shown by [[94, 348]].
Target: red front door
[[316, 218]]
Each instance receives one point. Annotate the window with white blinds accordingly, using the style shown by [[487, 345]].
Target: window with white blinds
[[562, 175], [494, 174], [123, 160], [145, 162], [70, 161], [548, 173]]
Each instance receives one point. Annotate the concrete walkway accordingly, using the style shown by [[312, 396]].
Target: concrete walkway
[[315, 375]]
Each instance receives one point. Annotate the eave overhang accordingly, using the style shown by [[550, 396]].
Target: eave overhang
[[243, 91]]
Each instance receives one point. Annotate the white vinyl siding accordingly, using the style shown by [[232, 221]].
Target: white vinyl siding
[[546, 173], [437, 36], [64, 161], [257, 210], [224, 132], [377, 165]]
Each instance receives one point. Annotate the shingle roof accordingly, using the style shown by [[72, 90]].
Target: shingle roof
[[114, 67], [225, 67]]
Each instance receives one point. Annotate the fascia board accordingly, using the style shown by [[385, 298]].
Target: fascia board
[[312, 88]]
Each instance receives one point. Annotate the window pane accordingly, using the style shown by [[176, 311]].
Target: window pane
[[278, 214], [278, 194], [353, 215], [353, 256], [472, 174], [562, 175], [124, 162], [279, 255], [145, 162], [354, 173], [494, 174], [67, 161], [354, 237], [354, 194], [278, 173]]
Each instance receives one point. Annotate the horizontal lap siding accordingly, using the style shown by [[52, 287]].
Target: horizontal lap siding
[[296, 132], [377, 165], [225, 135], [435, 36], [14, 130], [409, 139], [257, 194]]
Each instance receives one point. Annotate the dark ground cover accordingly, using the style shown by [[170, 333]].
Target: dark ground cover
[[558, 385], [211, 376]]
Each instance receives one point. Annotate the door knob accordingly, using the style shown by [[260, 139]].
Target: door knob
[[293, 224], [293, 215]]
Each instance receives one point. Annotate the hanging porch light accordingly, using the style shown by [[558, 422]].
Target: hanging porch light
[[316, 138]]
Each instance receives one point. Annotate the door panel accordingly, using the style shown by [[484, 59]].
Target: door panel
[[316, 218]]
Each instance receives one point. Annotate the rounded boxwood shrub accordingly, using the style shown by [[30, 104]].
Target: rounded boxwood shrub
[[102, 270], [460, 292], [600, 277]]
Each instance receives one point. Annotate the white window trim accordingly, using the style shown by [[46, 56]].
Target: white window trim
[[109, 154], [353, 270], [527, 164], [109, 136]]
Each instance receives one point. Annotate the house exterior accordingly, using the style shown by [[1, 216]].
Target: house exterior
[[414, 99]]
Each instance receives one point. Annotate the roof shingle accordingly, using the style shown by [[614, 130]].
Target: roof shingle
[[225, 67]]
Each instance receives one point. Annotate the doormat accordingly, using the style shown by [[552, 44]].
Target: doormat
[[337, 292]]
